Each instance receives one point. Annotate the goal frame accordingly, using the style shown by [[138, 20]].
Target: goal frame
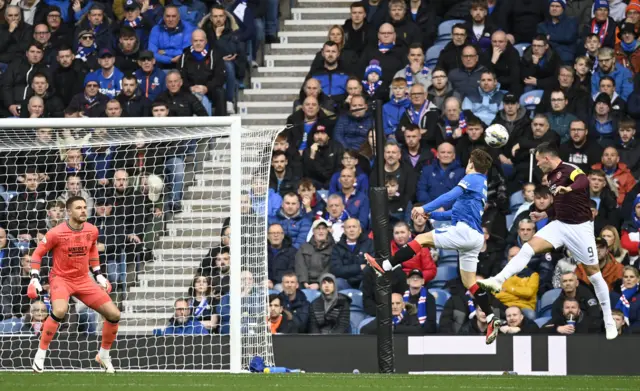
[[236, 132]]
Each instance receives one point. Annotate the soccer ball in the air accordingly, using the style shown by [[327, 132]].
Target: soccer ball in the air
[[496, 136]]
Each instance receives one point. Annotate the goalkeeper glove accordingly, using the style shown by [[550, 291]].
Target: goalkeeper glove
[[102, 280], [34, 288]]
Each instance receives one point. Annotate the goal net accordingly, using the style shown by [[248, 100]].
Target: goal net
[[180, 207]]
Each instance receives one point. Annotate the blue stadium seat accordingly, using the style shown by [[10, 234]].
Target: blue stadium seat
[[521, 47], [546, 302], [438, 315], [541, 321], [444, 29], [365, 322], [529, 100], [444, 274], [311, 294], [441, 297], [516, 200], [431, 57], [273, 291], [447, 256], [356, 318], [510, 217], [356, 298], [11, 326]]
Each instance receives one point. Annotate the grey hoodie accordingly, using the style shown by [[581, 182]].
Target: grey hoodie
[[331, 299]]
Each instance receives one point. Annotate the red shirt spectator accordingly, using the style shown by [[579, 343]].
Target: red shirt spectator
[[422, 261]]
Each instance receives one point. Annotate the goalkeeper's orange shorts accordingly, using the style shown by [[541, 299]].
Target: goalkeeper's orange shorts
[[84, 289]]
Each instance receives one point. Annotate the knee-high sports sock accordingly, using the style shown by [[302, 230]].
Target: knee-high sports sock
[[405, 253], [109, 332], [602, 293], [482, 300], [49, 330], [516, 264]]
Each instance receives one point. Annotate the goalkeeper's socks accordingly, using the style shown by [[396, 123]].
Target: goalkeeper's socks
[[49, 330], [481, 299], [405, 253], [109, 332]]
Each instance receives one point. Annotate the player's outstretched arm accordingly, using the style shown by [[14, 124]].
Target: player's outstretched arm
[[442, 216], [445, 199]]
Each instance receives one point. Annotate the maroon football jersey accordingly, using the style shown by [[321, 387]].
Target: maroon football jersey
[[573, 207]]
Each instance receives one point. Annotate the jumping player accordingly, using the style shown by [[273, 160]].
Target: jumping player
[[571, 227], [74, 248], [465, 235]]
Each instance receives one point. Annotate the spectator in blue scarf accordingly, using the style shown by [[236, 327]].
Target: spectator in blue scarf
[[424, 302]]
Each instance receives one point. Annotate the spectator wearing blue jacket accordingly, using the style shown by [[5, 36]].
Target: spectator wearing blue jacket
[[182, 323], [562, 31], [607, 66], [333, 80], [486, 101], [441, 176], [80, 8], [191, 11], [393, 110], [169, 38], [295, 301], [347, 256], [295, 223], [356, 202], [151, 79], [108, 76], [352, 128]]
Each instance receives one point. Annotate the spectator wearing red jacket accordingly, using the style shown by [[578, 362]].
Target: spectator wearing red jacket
[[422, 261], [631, 230]]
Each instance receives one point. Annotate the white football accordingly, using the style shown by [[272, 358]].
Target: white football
[[496, 136]]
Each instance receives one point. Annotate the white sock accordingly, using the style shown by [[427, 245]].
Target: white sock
[[602, 293], [41, 353], [104, 352], [490, 317], [516, 264], [386, 265]]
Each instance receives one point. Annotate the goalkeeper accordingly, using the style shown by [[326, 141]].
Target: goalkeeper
[[74, 248]]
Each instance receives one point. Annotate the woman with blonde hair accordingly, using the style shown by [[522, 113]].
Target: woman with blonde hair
[[611, 235], [347, 59]]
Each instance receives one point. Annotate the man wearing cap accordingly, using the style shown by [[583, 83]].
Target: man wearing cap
[[513, 117], [141, 22], [627, 51], [151, 79], [313, 258], [90, 102], [603, 124], [561, 30], [169, 38], [15, 82], [607, 66], [423, 300], [96, 21], [111, 239], [109, 77], [322, 157]]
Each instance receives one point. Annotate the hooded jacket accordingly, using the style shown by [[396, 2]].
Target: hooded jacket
[[325, 162], [229, 42], [631, 61], [392, 112], [346, 262], [622, 76], [313, 260], [296, 227], [330, 314]]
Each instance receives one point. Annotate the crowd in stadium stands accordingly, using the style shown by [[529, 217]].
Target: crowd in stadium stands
[[560, 71]]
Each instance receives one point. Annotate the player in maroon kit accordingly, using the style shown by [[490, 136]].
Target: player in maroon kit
[[570, 226], [74, 248]]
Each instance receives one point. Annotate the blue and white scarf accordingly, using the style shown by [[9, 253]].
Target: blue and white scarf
[[371, 88], [471, 305], [199, 56], [134, 23], [385, 47], [197, 311], [397, 319], [408, 75], [343, 217], [416, 116], [422, 304], [84, 52], [462, 124], [623, 304]]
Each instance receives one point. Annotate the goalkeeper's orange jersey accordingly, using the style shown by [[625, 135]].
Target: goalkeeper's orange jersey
[[73, 250]]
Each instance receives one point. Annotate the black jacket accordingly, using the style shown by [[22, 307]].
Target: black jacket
[[183, 104], [28, 212], [14, 45], [579, 103], [289, 183], [128, 208], [376, 18], [297, 133], [522, 18], [281, 261], [547, 74], [521, 124], [135, 106], [428, 21], [630, 155], [92, 109], [299, 308], [584, 157], [428, 121], [585, 324], [390, 62], [53, 106], [430, 325], [335, 321], [127, 62], [209, 72], [327, 160], [357, 40], [68, 81], [346, 263], [452, 9], [425, 158], [527, 142], [507, 69], [407, 31], [111, 234], [407, 181], [228, 43], [104, 33], [16, 81], [589, 306], [451, 57]]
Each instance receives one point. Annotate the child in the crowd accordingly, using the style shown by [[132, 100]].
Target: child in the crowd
[[393, 110], [373, 86], [350, 159], [628, 147], [310, 200], [396, 207], [527, 192], [592, 45]]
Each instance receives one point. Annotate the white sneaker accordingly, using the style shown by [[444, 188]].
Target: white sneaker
[[38, 361], [105, 362], [612, 332], [230, 108], [490, 285]]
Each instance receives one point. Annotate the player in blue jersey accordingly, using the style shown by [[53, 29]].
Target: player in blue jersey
[[465, 234]]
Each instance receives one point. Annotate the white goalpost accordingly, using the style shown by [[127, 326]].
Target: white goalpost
[[180, 203]]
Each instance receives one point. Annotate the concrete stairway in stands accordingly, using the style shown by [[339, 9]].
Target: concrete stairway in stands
[[268, 103]]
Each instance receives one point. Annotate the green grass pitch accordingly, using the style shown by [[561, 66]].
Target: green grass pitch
[[126, 381]]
